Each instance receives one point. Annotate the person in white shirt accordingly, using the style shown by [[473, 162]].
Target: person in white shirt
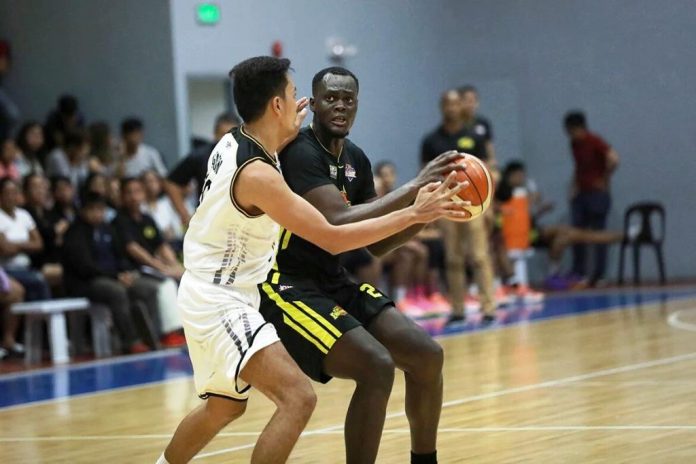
[[71, 160], [138, 157], [160, 207], [19, 238]]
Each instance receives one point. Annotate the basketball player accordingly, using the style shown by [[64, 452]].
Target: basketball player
[[229, 249], [340, 328]]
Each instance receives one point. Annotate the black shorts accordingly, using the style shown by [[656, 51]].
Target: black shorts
[[310, 315]]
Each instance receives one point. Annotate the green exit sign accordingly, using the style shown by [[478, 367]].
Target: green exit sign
[[208, 13]]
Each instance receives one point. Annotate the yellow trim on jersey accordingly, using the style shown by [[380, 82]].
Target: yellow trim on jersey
[[307, 323], [319, 318], [286, 240], [275, 277], [301, 331]]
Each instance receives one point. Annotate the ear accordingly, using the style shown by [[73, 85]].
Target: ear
[[311, 104], [277, 105]]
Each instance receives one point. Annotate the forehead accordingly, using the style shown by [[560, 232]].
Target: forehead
[[336, 83], [451, 97]]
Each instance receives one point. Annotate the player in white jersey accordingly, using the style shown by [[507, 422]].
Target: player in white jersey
[[229, 249]]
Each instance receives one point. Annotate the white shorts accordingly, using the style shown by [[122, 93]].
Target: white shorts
[[223, 329]]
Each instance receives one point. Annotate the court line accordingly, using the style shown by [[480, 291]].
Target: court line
[[673, 320], [508, 391]]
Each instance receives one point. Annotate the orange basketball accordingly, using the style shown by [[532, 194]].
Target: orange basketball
[[479, 191]]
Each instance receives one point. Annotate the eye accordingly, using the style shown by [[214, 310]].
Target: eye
[[330, 98], [349, 100]]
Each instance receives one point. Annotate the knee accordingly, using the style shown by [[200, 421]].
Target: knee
[[427, 361], [222, 411], [377, 369], [299, 398]]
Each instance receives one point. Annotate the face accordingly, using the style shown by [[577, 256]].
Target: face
[[9, 151], [387, 176], [517, 178], [133, 195], [575, 133], [451, 106], [64, 193], [35, 138], [153, 185], [37, 191], [285, 107], [78, 153], [335, 104], [98, 185], [94, 214], [134, 138], [470, 104], [9, 196]]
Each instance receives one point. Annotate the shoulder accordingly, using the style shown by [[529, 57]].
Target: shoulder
[[24, 216], [247, 148], [305, 145], [149, 149], [357, 154]]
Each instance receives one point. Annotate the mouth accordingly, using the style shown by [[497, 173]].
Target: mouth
[[339, 121]]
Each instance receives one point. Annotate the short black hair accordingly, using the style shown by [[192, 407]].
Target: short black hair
[[68, 105], [127, 180], [255, 82], [336, 71], [466, 89], [229, 118], [503, 191], [575, 118], [383, 164], [130, 125], [21, 139], [75, 138], [92, 199], [57, 180]]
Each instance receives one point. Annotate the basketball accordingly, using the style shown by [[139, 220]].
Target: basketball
[[479, 191]]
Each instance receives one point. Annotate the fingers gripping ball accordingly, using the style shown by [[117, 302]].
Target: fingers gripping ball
[[479, 191]]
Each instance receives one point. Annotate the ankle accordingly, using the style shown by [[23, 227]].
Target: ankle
[[424, 458]]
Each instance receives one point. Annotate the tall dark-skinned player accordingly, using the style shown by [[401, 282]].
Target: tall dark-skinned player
[[331, 325]]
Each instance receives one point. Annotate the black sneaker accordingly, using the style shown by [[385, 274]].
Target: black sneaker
[[487, 320], [455, 320]]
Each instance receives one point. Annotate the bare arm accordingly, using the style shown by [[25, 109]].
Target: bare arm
[[141, 256], [34, 244], [612, 160], [260, 187], [176, 193], [7, 248]]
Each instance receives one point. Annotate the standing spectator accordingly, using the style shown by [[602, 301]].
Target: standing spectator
[[195, 167], [138, 157], [103, 154], [142, 242], [9, 113], [462, 239], [8, 159], [11, 292], [96, 270], [476, 123], [19, 239], [64, 119], [160, 207], [30, 142], [595, 161], [70, 161]]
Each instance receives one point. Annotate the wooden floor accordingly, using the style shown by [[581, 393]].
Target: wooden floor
[[610, 387]]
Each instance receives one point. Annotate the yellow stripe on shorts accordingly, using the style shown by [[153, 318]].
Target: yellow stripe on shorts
[[308, 324], [319, 318], [301, 331]]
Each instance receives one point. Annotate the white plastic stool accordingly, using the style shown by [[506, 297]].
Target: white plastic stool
[[53, 311], [519, 261]]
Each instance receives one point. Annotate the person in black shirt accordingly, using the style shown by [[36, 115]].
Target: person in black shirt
[[332, 326], [474, 121], [195, 167]]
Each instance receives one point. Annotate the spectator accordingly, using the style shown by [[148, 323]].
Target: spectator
[[462, 239], [64, 205], [64, 119], [11, 292], [195, 167], [96, 270], [160, 207], [71, 160], [8, 160], [30, 142], [99, 184], [385, 177], [51, 230], [595, 161], [9, 113], [476, 123], [103, 156], [113, 193], [138, 157], [19, 239], [143, 244]]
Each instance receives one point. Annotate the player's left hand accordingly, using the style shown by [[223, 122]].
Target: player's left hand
[[439, 168]]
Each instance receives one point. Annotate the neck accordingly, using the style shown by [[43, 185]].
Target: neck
[[265, 134], [332, 144], [452, 126], [8, 211], [134, 213], [468, 118], [131, 149]]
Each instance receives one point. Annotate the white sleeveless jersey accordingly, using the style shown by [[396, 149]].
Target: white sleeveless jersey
[[224, 244]]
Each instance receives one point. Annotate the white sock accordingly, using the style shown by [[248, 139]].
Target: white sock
[[400, 293], [162, 460]]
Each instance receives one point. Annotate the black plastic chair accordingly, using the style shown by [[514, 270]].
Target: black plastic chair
[[641, 233]]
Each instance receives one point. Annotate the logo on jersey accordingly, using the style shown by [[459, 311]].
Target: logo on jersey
[[217, 161], [338, 312], [149, 232], [350, 172], [465, 143], [282, 288], [480, 129], [333, 171]]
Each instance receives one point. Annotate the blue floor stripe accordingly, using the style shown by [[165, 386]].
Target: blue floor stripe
[[61, 382]]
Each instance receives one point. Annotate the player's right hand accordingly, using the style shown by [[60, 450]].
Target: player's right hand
[[437, 169], [302, 110], [435, 200]]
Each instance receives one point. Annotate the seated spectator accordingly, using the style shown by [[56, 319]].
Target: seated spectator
[[8, 160], [64, 203], [95, 269], [51, 230], [138, 157], [30, 142], [143, 244], [195, 167], [64, 119], [19, 238], [99, 184], [160, 207], [11, 292], [104, 153], [71, 160]]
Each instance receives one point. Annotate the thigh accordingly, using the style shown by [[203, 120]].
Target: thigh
[[105, 290], [477, 240], [308, 321], [598, 207]]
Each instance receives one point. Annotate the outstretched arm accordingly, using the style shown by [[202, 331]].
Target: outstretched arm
[[260, 187]]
